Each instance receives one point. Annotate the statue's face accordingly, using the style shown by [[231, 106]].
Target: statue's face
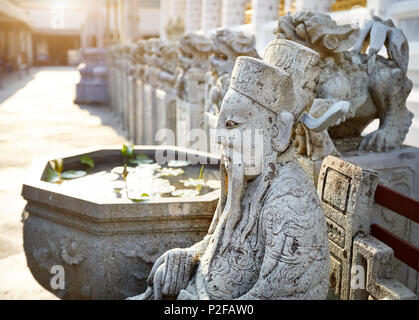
[[221, 60], [244, 130]]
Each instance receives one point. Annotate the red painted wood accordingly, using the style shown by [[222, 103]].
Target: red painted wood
[[397, 202], [403, 250]]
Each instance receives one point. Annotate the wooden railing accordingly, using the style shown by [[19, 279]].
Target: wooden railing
[[406, 207]]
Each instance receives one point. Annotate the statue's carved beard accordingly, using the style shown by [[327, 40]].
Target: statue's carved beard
[[232, 209]]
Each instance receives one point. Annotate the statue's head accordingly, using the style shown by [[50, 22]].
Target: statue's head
[[152, 51], [227, 45], [168, 56], [267, 97], [139, 51], [317, 31], [194, 50]]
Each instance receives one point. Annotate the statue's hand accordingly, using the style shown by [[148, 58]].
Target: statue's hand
[[179, 265], [172, 271]]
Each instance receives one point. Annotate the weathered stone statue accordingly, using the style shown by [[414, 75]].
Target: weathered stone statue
[[166, 93], [151, 83], [268, 237], [226, 46], [174, 29], [194, 51], [167, 62], [373, 85]]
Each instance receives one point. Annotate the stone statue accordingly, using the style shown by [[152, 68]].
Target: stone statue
[[193, 53], [139, 57], [226, 46], [167, 62], [151, 58], [373, 86], [174, 29], [268, 237]]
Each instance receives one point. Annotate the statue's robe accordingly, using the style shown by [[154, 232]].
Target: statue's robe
[[278, 249]]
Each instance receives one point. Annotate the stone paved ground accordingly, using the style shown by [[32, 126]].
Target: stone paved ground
[[37, 118]]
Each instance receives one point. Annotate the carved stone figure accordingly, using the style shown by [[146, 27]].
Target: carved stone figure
[[194, 51], [151, 57], [226, 46], [139, 57], [268, 237], [167, 62], [373, 85], [174, 29]]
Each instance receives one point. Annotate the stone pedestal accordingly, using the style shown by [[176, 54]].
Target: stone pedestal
[[139, 114], [398, 170], [125, 99], [189, 116], [93, 87], [119, 90], [166, 112], [131, 107], [149, 95]]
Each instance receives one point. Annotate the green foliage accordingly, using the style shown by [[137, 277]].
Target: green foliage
[[55, 172], [141, 159], [144, 197], [52, 175], [89, 161], [128, 151], [73, 174]]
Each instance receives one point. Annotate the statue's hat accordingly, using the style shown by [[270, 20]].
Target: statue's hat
[[285, 80]]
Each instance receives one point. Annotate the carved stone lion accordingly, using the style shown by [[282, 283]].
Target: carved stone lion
[[193, 53], [167, 62], [227, 45], [375, 86]]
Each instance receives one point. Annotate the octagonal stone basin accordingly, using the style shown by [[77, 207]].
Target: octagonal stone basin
[[105, 247]]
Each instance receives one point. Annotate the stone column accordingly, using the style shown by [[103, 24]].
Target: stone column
[[263, 11], [192, 16], [131, 15], [164, 18], [314, 6], [177, 9], [211, 15], [233, 13]]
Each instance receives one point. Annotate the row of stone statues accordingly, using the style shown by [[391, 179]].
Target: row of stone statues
[[193, 76]]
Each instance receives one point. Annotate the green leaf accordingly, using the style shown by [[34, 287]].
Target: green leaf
[[87, 160], [144, 197], [128, 151], [51, 176], [141, 159], [73, 174]]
